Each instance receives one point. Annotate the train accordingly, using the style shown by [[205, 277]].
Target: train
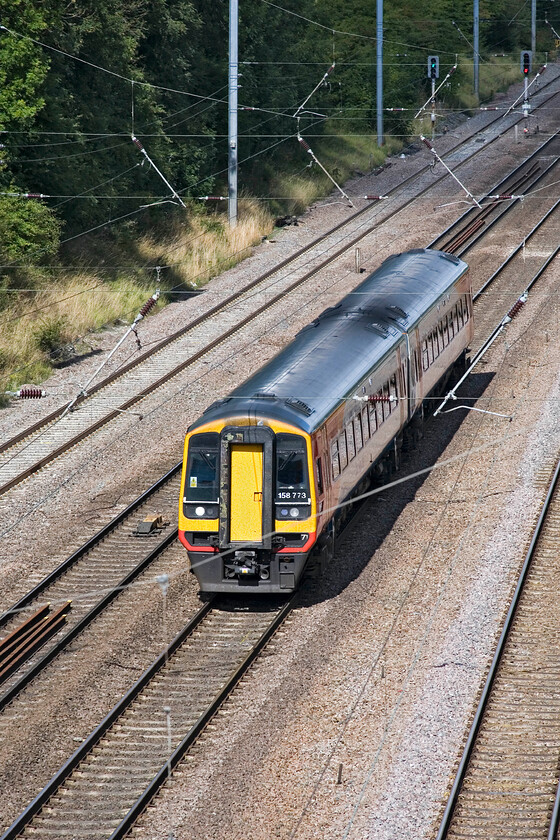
[[268, 471]]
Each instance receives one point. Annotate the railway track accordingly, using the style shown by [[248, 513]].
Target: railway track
[[35, 447], [91, 579], [103, 788], [97, 567], [507, 781], [476, 223], [113, 542]]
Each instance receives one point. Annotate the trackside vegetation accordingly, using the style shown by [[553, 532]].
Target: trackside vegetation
[[88, 228]]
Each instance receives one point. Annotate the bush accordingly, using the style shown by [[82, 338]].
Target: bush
[[29, 232], [51, 336]]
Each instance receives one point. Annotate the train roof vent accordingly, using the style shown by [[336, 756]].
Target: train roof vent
[[378, 329], [300, 405], [264, 395], [445, 255], [397, 313], [216, 404]]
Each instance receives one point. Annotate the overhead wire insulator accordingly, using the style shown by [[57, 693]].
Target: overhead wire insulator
[[150, 303], [212, 197], [305, 145], [382, 398], [375, 197], [29, 393], [427, 143], [517, 306], [395, 109]]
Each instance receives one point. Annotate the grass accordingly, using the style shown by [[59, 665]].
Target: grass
[[51, 324]]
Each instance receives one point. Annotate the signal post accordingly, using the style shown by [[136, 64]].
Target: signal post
[[526, 63], [433, 74]]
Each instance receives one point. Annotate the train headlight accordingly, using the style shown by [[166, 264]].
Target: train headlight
[[294, 513], [200, 511]]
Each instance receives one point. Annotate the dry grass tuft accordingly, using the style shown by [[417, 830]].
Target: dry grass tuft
[[37, 330]]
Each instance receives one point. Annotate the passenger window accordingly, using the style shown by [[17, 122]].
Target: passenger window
[[358, 437], [393, 392], [335, 460], [365, 423], [425, 357], [373, 421], [350, 441], [385, 405], [432, 348], [342, 451]]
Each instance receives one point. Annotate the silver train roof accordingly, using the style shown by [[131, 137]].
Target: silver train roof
[[325, 362]]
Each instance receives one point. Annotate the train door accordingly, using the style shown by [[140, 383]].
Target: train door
[[246, 469], [246, 503]]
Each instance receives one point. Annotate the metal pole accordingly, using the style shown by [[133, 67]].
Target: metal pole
[[379, 92], [232, 112], [476, 20], [433, 108], [534, 28]]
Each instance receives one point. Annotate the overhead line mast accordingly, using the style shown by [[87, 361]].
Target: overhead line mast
[[232, 111]]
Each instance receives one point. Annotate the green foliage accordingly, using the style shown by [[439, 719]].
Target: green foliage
[[145, 67], [29, 232], [51, 336]]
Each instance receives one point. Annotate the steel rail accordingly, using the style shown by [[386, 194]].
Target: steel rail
[[504, 210], [29, 637], [89, 743], [475, 726], [157, 668], [189, 739], [85, 621], [491, 203], [87, 546], [516, 250]]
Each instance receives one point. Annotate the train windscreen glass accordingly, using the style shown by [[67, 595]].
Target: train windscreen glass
[[292, 483], [203, 475]]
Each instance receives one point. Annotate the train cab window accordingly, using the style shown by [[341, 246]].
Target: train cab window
[[319, 467], [202, 479], [425, 356], [416, 366], [335, 460], [292, 484]]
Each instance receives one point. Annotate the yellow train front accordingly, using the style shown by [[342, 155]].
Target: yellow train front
[[267, 470], [248, 505]]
